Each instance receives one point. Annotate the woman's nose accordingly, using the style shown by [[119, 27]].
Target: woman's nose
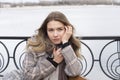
[[55, 33]]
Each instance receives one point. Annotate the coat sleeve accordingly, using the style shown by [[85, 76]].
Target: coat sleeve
[[36, 69], [73, 66]]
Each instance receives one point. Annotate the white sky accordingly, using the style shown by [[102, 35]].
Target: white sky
[[25, 0]]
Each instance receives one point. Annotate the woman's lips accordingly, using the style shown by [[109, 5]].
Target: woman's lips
[[56, 39]]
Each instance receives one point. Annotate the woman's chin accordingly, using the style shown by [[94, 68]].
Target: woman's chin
[[57, 43]]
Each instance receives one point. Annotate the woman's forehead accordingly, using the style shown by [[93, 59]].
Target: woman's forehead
[[55, 24]]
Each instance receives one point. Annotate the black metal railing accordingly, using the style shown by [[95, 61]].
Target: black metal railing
[[107, 48]]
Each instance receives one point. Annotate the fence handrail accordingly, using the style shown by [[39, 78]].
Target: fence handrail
[[82, 37]]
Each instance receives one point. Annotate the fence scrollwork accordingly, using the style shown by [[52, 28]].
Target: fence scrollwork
[[110, 59], [109, 56]]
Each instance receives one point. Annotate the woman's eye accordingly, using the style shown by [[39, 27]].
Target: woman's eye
[[50, 30], [60, 29]]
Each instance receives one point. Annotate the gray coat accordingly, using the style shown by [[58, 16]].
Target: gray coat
[[37, 67]]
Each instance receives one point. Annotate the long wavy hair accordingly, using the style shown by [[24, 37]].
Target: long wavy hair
[[40, 42]]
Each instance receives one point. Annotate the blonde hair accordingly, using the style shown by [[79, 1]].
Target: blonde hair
[[40, 42]]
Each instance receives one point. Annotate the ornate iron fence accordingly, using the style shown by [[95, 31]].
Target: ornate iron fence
[[108, 54]]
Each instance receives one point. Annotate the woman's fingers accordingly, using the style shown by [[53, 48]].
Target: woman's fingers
[[67, 34], [57, 52], [58, 57]]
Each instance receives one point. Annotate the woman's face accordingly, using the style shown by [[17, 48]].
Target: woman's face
[[55, 31]]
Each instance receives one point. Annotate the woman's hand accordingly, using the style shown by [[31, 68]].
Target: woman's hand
[[58, 57], [67, 34]]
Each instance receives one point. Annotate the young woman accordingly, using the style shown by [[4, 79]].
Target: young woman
[[53, 53]]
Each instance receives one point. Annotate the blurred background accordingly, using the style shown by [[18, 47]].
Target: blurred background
[[21, 3], [97, 26]]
